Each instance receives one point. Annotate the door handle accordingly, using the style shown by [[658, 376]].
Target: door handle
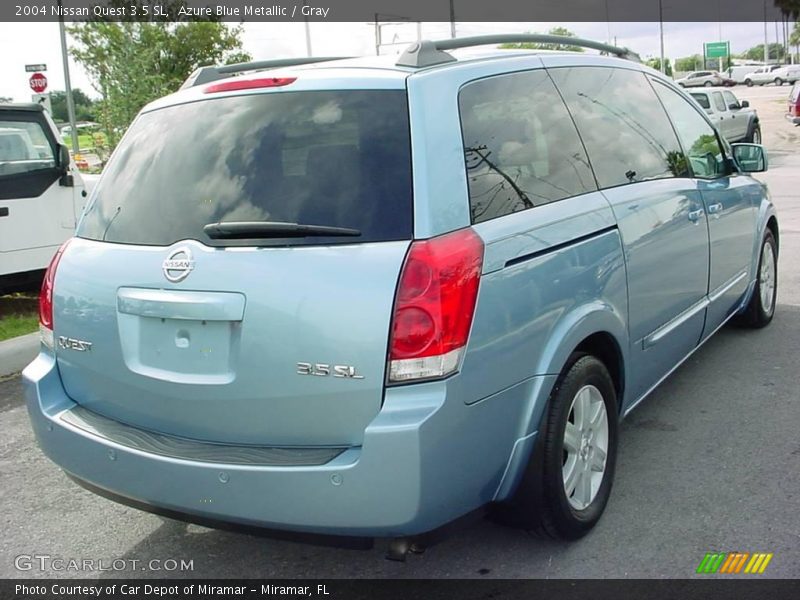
[[714, 208], [3, 211], [694, 215]]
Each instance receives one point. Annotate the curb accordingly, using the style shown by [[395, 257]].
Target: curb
[[16, 353]]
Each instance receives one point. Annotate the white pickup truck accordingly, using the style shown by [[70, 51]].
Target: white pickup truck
[[776, 74], [736, 121], [42, 195]]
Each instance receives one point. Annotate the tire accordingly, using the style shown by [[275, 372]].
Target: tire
[[707, 84], [754, 134], [748, 82], [541, 503], [761, 308], [683, 85], [778, 81]]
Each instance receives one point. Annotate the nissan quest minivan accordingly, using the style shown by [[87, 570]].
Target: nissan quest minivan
[[368, 297]]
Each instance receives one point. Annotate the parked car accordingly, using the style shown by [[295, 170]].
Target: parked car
[[776, 74], [701, 78], [793, 114], [735, 120], [41, 194], [369, 301]]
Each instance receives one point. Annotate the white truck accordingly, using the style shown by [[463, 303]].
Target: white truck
[[42, 195], [776, 74]]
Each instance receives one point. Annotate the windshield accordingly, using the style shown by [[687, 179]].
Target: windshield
[[338, 159]]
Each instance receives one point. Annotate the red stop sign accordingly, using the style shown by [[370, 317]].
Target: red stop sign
[[38, 82]]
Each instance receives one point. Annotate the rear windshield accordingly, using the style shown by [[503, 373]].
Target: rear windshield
[[338, 159]]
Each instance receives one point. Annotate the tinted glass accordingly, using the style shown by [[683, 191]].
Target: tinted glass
[[622, 123], [320, 158], [24, 148], [719, 102], [520, 145], [701, 99], [697, 135]]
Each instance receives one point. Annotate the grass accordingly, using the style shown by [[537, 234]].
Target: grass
[[14, 325], [18, 315]]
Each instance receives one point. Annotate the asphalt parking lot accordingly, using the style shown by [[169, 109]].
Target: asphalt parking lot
[[710, 462]]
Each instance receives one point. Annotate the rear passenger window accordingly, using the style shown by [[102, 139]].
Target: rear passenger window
[[520, 145], [626, 132], [697, 136], [719, 102]]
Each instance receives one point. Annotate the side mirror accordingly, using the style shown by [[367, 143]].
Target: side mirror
[[734, 106], [63, 165], [744, 104], [751, 158]]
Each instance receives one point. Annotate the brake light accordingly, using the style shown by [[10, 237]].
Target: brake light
[[434, 306], [248, 84], [46, 298]]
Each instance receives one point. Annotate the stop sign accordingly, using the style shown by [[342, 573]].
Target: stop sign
[[38, 82]]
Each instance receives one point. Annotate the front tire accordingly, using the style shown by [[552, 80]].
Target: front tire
[[568, 480], [754, 135], [708, 84], [778, 81], [761, 308], [748, 82]]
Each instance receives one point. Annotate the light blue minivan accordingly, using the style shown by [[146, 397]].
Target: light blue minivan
[[368, 297]]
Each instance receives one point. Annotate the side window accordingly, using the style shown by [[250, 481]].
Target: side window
[[719, 102], [698, 137], [520, 145], [24, 148], [730, 99], [626, 132], [702, 100]]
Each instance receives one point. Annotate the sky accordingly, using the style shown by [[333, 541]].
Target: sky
[[30, 43]]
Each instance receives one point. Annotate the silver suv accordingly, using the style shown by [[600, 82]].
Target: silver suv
[[701, 78]]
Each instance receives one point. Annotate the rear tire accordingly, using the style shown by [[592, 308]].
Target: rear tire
[[568, 480], [761, 308]]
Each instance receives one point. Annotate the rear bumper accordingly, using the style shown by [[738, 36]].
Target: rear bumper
[[425, 461]]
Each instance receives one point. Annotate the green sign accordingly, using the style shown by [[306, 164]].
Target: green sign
[[717, 49]]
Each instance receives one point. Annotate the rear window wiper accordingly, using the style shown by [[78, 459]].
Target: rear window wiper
[[248, 230]]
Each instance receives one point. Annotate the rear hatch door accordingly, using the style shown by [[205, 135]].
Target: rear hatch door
[[274, 339]]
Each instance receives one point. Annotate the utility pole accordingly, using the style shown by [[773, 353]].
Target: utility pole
[[452, 19], [661, 34], [70, 104], [766, 47], [308, 33]]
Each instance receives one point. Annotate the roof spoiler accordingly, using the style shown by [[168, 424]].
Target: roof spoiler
[[208, 74], [428, 53]]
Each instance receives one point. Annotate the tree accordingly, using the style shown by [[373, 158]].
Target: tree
[[794, 39], [655, 63], [689, 63], [133, 63], [776, 52], [562, 31], [84, 106]]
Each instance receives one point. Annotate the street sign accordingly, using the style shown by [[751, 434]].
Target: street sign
[[717, 49], [44, 100], [38, 82], [35, 68]]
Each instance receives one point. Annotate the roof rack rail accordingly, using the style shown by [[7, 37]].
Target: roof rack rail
[[428, 53], [203, 75]]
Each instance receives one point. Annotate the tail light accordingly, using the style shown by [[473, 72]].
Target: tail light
[[434, 306], [46, 298]]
